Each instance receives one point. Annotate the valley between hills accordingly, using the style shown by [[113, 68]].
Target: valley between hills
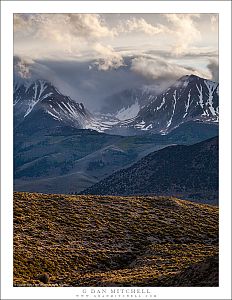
[[83, 240]]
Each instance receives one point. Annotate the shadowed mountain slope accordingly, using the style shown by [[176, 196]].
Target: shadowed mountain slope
[[175, 170]]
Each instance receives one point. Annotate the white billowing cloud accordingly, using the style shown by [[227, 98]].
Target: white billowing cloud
[[158, 69], [183, 31], [77, 34], [214, 22], [20, 23], [140, 25], [109, 59], [89, 26], [22, 68], [66, 35], [46, 35], [60, 26]]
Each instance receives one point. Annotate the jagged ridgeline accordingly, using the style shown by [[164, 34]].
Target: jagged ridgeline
[[191, 98]]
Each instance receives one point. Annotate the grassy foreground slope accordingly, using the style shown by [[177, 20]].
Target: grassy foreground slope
[[113, 241]]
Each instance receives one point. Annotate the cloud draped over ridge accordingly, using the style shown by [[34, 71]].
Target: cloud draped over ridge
[[84, 82], [158, 68]]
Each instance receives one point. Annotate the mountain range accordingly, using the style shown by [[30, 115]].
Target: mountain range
[[190, 98], [61, 147]]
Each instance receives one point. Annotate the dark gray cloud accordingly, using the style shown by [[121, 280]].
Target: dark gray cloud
[[84, 82], [214, 69]]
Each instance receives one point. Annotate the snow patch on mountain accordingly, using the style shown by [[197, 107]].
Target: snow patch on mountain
[[191, 98], [39, 87], [162, 103], [187, 104], [200, 96], [174, 107], [54, 116], [129, 112], [211, 86]]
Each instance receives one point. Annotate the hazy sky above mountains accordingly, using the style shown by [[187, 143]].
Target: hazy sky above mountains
[[92, 56]]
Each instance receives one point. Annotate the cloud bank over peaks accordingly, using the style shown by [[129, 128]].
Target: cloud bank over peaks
[[92, 56], [160, 69]]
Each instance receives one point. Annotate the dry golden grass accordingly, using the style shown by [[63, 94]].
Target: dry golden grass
[[113, 241]]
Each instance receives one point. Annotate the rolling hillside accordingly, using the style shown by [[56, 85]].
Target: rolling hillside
[[65, 159], [186, 171], [113, 241]]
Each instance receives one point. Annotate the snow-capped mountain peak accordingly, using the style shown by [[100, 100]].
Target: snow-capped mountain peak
[[191, 98], [41, 96]]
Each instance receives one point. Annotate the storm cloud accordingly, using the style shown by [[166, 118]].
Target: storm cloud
[[84, 82]]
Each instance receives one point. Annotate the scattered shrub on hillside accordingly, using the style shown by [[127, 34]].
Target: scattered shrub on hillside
[[44, 278]]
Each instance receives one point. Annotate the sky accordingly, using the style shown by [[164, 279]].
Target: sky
[[91, 56]]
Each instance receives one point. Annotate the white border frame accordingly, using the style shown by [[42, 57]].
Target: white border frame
[[10, 7]]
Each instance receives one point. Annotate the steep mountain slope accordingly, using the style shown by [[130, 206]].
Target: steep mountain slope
[[191, 98], [113, 241], [42, 104], [177, 170], [38, 105]]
